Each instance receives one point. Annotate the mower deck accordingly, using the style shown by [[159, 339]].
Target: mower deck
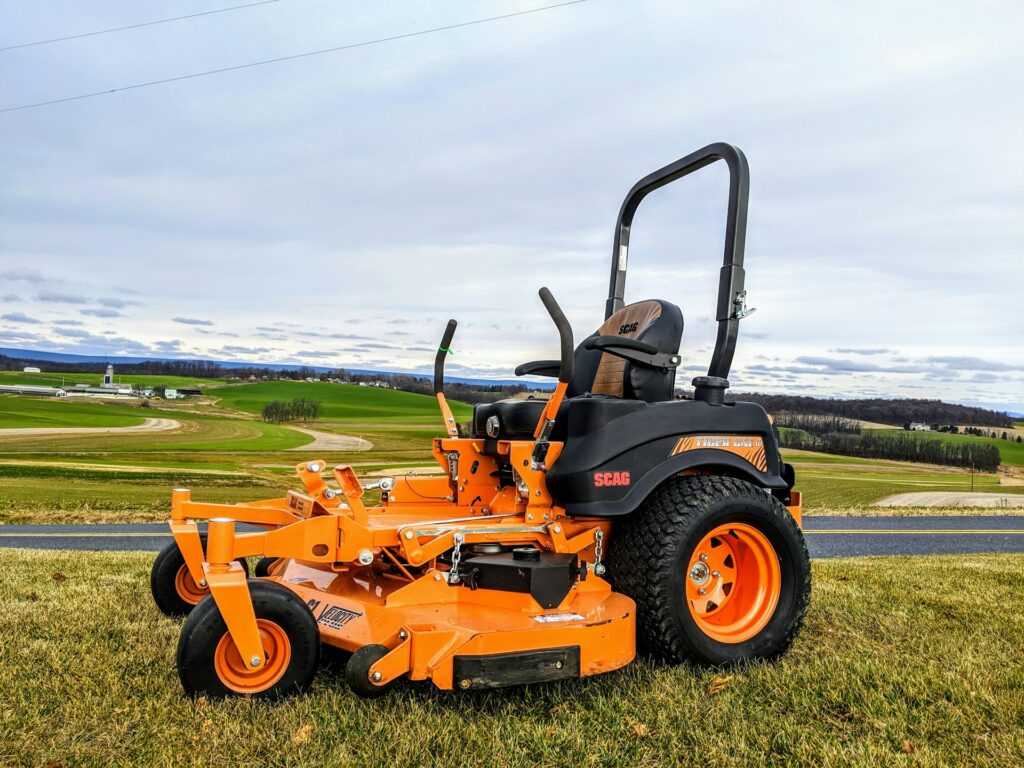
[[454, 635]]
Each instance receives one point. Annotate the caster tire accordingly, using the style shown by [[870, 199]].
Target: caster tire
[[174, 590], [357, 672], [210, 665], [264, 566]]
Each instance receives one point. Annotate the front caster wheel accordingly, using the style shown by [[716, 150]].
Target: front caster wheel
[[265, 565], [357, 672], [209, 663], [174, 590]]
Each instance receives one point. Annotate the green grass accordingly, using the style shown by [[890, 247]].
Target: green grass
[[898, 664], [138, 380], [18, 411], [833, 483], [342, 402]]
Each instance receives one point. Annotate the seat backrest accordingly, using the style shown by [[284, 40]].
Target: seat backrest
[[600, 373]]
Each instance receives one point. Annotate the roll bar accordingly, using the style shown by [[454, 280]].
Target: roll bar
[[731, 294]]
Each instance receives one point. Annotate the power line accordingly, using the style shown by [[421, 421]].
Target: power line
[[135, 26], [293, 56]]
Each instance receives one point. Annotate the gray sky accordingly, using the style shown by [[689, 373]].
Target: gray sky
[[336, 210]]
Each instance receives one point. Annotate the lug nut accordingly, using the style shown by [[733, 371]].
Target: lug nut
[[702, 591], [703, 557], [254, 661], [716, 574], [202, 582], [376, 677]]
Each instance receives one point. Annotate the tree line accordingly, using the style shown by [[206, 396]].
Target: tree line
[[900, 446], [818, 423], [299, 409], [880, 410]]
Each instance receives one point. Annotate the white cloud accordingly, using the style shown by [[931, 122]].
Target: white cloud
[[342, 197]]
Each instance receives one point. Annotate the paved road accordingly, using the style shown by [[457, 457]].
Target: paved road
[[826, 536]]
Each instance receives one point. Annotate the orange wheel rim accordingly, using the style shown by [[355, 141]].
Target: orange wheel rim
[[733, 582], [187, 588], [277, 652]]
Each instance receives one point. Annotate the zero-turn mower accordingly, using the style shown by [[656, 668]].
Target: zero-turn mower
[[561, 535]]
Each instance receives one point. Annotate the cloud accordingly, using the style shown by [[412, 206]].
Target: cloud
[[848, 366], [10, 297], [100, 312], [108, 301], [191, 321], [53, 297], [235, 349], [19, 317], [855, 351], [24, 275], [966, 362], [68, 322]]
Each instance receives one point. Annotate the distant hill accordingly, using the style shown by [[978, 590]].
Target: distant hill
[[15, 359], [882, 411]]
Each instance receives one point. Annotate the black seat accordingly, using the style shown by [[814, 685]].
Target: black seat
[[632, 356]]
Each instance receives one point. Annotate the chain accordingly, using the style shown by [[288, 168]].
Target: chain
[[453, 575], [598, 551]]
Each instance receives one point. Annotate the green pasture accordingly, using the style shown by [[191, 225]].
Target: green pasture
[[341, 402], [27, 412], [56, 379]]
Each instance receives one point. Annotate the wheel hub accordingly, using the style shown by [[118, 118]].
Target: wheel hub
[[700, 573]]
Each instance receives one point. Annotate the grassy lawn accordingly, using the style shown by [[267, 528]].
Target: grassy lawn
[[341, 402], [835, 483], [898, 664], [138, 380], [18, 412]]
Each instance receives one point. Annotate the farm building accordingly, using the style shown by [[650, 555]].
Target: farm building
[[30, 389], [30, 369]]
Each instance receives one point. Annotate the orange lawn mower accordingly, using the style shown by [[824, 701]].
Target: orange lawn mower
[[562, 534]]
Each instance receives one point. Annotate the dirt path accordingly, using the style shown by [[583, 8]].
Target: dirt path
[[952, 499], [329, 441], [149, 425]]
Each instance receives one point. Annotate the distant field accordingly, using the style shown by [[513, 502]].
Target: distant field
[[341, 402], [831, 482], [1010, 451], [16, 411], [140, 380]]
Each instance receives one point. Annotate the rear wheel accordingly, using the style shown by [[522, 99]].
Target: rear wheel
[[209, 663], [718, 569], [174, 590]]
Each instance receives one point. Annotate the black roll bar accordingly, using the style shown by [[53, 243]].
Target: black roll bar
[[731, 295]]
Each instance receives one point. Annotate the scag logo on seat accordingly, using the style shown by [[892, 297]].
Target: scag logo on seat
[[603, 479], [627, 328]]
